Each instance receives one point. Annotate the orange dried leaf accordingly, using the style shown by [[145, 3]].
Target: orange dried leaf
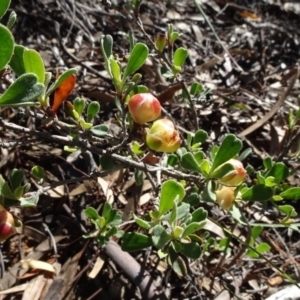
[[62, 92]]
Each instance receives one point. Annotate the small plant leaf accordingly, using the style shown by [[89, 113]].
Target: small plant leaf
[[230, 147], [199, 215], [292, 193], [4, 5], [92, 110], [288, 210], [33, 63], [99, 130], [7, 192], [22, 92], [142, 223], [79, 104], [191, 250], [160, 237], [193, 227], [134, 241], [16, 177], [200, 137], [258, 192], [11, 20], [180, 56], [136, 59], [179, 267], [16, 62], [171, 190], [38, 172], [6, 46], [189, 162], [279, 171], [91, 213], [116, 74], [29, 200]]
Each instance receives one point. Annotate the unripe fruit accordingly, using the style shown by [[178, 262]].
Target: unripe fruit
[[237, 176], [7, 224], [144, 107], [162, 136], [225, 197]]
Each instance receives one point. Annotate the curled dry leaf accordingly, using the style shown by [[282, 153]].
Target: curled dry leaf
[[37, 264]]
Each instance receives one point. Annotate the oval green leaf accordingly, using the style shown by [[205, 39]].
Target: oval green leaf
[[189, 162], [92, 110], [16, 62], [180, 56], [99, 130], [171, 190], [22, 92], [136, 59], [6, 46], [133, 241], [258, 193], [33, 63], [4, 5], [291, 193], [230, 147]]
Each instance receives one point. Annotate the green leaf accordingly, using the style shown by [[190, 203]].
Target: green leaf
[[16, 177], [193, 227], [4, 5], [60, 80], [172, 160], [174, 214], [291, 193], [19, 192], [263, 247], [30, 200], [91, 213], [139, 177], [16, 62], [267, 162], [99, 130], [160, 237], [142, 223], [191, 250], [256, 231], [189, 162], [229, 148], [196, 88], [11, 20], [200, 137], [92, 110], [180, 56], [279, 171], [7, 192], [222, 171], [208, 193], [193, 199], [22, 92], [133, 241], [171, 190], [38, 172], [179, 267], [6, 46], [245, 154], [33, 63], [288, 210], [136, 59], [116, 74], [258, 192], [199, 215], [106, 43], [237, 215], [79, 104]]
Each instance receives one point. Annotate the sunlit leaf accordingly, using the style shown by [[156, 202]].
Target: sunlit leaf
[[6, 46]]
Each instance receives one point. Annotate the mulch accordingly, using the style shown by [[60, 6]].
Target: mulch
[[244, 77]]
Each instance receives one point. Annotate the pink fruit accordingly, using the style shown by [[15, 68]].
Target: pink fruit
[[144, 107], [162, 136]]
